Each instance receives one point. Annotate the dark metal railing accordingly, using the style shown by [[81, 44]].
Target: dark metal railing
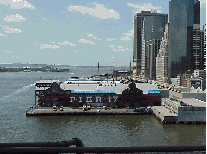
[[38, 147], [74, 141], [63, 147]]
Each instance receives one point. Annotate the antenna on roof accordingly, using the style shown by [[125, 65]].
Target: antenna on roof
[[130, 66], [113, 70]]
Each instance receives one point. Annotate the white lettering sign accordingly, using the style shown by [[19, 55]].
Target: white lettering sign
[[72, 99], [80, 99], [115, 98], [88, 99], [98, 99], [109, 99]]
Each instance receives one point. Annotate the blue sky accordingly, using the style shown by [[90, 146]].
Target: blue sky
[[72, 32]]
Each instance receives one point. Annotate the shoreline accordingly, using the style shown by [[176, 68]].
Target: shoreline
[[94, 111]]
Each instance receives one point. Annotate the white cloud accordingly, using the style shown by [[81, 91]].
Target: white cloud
[[86, 41], [17, 4], [53, 42], [10, 30], [203, 3], [145, 6], [42, 46], [126, 38], [126, 35], [114, 49], [90, 35], [112, 46], [130, 33], [111, 39], [2, 35], [8, 51], [99, 11], [45, 18], [75, 51], [14, 18], [122, 50], [66, 43]]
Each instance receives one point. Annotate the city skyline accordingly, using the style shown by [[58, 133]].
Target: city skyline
[[72, 32]]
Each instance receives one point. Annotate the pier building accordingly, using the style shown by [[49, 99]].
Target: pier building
[[96, 93], [185, 110]]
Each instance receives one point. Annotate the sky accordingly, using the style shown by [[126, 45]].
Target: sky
[[72, 32]]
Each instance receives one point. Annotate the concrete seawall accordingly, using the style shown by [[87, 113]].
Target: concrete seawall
[[68, 111]]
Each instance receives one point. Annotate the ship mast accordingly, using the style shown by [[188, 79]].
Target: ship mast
[[98, 68]]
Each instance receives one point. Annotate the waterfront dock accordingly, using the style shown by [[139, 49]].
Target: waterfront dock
[[48, 111], [163, 114], [166, 116], [160, 112]]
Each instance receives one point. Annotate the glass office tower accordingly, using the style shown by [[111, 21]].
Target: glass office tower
[[147, 26], [184, 20]]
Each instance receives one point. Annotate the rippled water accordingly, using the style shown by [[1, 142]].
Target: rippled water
[[17, 95]]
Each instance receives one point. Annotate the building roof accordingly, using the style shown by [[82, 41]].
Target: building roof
[[147, 86], [193, 102], [99, 87], [164, 111], [92, 91], [47, 81], [153, 91]]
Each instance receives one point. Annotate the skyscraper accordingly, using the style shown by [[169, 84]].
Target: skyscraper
[[147, 26], [184, 21], [162, 59], [203, 46], [153, 47]]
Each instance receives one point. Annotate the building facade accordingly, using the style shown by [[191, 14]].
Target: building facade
[[184, 21], [186, 109], [153, 47], [147, 26], [204, 45], [162, 59]]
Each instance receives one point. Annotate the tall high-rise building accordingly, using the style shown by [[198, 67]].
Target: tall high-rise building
[[204, 46], [153, 47], [147, 26], [162, 59], [202, 56], [184, 22]]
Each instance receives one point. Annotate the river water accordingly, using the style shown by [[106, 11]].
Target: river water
[[17, 95]]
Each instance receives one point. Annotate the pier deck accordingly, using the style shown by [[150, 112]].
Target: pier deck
[[164, 115], [47, 111]]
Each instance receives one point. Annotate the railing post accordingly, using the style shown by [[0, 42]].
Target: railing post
[[79, 143]]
